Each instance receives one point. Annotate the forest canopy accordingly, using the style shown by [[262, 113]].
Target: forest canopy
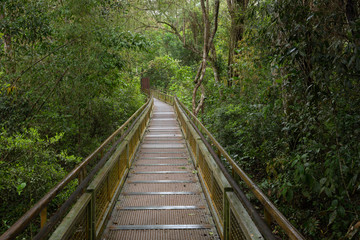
[[276, 82]]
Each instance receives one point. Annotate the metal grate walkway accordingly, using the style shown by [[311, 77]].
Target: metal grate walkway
[[162, 197]]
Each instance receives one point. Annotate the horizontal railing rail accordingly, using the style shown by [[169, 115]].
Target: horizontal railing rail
[[89, 215], [79, 172], [89, 206], [197, 134], [162, 96]]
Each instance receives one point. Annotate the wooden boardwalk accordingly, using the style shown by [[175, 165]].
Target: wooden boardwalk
[[162, 197]]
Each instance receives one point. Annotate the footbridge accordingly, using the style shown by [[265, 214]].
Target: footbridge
[[161, 175]]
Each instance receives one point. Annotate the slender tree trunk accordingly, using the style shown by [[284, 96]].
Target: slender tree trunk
[[9, 68], [208, 42], [214, 64], [196, 107], [215, 68]]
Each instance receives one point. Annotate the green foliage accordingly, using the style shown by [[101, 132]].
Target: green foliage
[[30, 164], [181, 84], [65, 68], [291, 119], [166, 73]]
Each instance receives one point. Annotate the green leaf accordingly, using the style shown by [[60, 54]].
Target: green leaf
[[332, 217], [327, 192], [334, 203], [322, 181], [20, 187], [341, 211]]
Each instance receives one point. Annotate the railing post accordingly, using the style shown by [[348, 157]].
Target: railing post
[[197, 151], [119, 167], [88, 221], [92, 216], [128, 154], [267, 217], [226, 216], [218, 153], [139, 133], [235, 176], [82, 175], [108, 187], [101, 153], [43, 217]]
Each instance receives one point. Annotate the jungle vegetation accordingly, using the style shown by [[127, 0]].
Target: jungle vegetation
[[276, 82]]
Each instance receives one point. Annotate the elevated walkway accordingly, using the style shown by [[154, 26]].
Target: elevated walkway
[[162, 197], [161, 175]]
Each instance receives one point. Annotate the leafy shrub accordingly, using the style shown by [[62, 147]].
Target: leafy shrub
[[30, 166]]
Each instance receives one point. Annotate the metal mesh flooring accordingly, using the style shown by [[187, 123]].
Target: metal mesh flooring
[[162, 196]]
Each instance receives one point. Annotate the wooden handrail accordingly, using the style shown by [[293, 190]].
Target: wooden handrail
[[32, 213], [289, 229]]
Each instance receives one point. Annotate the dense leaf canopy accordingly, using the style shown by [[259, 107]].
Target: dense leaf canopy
[[277, 83]]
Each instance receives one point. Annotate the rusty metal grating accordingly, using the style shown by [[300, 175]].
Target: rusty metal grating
[[113, 179], [178, 176], [218, 198], [161, 141], [81, 229], [159, 217], [192, 144], [206, 172], [101, 201], [235, 232], [164, 187], [164, 161], [140, 168], [123, 162], [163, 234], [161, 200], [162, 154]]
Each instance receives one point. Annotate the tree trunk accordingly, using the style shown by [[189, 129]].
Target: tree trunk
[[208, 42], [236, 32], [9, 68]]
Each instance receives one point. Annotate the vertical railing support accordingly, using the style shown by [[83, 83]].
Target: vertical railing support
[[101, 153], [128, 154], [235, 176], [267, 217], [197, 152], [43, 217], [92, 216], [218, 153], [82, 175], [226, 214]]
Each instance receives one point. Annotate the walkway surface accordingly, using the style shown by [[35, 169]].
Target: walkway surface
[[162, 197]]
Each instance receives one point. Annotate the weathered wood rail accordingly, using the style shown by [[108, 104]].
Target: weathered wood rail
[[127, 136]]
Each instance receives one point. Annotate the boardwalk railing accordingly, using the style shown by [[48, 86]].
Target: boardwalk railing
[[88, 207], [97, 189], [234, 215]]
